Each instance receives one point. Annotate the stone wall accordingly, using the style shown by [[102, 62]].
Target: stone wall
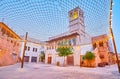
[[9, 50]]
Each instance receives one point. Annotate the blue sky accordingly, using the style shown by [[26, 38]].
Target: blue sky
[[46, 18], [116, 23]]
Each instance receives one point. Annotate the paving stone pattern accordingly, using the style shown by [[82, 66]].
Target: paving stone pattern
[[46, 71]]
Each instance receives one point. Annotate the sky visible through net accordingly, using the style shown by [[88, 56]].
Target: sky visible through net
[[46, 18]]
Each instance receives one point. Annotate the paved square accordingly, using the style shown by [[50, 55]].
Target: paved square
[[46, 71]]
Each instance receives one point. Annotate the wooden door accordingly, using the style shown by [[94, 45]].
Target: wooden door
[[70, 60], [49, 59]]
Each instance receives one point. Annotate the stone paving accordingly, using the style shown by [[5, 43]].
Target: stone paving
[[46, 71]]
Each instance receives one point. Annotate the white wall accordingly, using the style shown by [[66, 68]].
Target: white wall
[[21, 50], [30, 53], [76, 54], [77, 51], [55, 57]]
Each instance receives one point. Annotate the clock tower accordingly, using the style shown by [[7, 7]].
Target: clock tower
[[76, 21]]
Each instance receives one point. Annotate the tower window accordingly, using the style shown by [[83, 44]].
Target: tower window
[[100, 44]]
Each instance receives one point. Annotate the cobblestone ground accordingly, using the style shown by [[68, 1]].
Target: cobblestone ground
[[45, 71]]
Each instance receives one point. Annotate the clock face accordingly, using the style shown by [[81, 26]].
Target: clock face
[[74, 14]]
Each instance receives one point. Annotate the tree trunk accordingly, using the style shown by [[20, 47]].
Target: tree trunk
[[64, 61]]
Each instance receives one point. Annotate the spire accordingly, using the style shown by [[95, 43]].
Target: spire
[[2, 19]]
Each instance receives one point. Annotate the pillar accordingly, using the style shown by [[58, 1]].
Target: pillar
[[76, 55]]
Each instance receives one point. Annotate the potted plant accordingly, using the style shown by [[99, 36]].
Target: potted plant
[[89, 58]]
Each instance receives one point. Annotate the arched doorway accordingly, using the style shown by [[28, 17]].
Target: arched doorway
[[49, 58], [70, 60]]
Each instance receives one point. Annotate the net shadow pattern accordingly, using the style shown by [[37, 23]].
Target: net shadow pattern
[[46, 18]]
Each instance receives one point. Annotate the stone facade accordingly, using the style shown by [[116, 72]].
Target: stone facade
[[75, 37], [9, 45], [80, 41], [101, 45]]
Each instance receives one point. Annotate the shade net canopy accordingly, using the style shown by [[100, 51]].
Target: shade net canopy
[[45, 18]]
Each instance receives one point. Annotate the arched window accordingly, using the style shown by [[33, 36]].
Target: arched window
[[100, 44], [94, 45]]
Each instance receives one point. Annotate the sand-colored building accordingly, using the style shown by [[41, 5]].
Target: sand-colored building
[[9, 45], [76, 37], [80, 41]]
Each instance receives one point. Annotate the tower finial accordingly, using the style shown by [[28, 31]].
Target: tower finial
[[2, 19]]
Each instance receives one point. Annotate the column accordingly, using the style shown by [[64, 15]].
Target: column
[[76, 55], [46, 56], [30, 57]]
